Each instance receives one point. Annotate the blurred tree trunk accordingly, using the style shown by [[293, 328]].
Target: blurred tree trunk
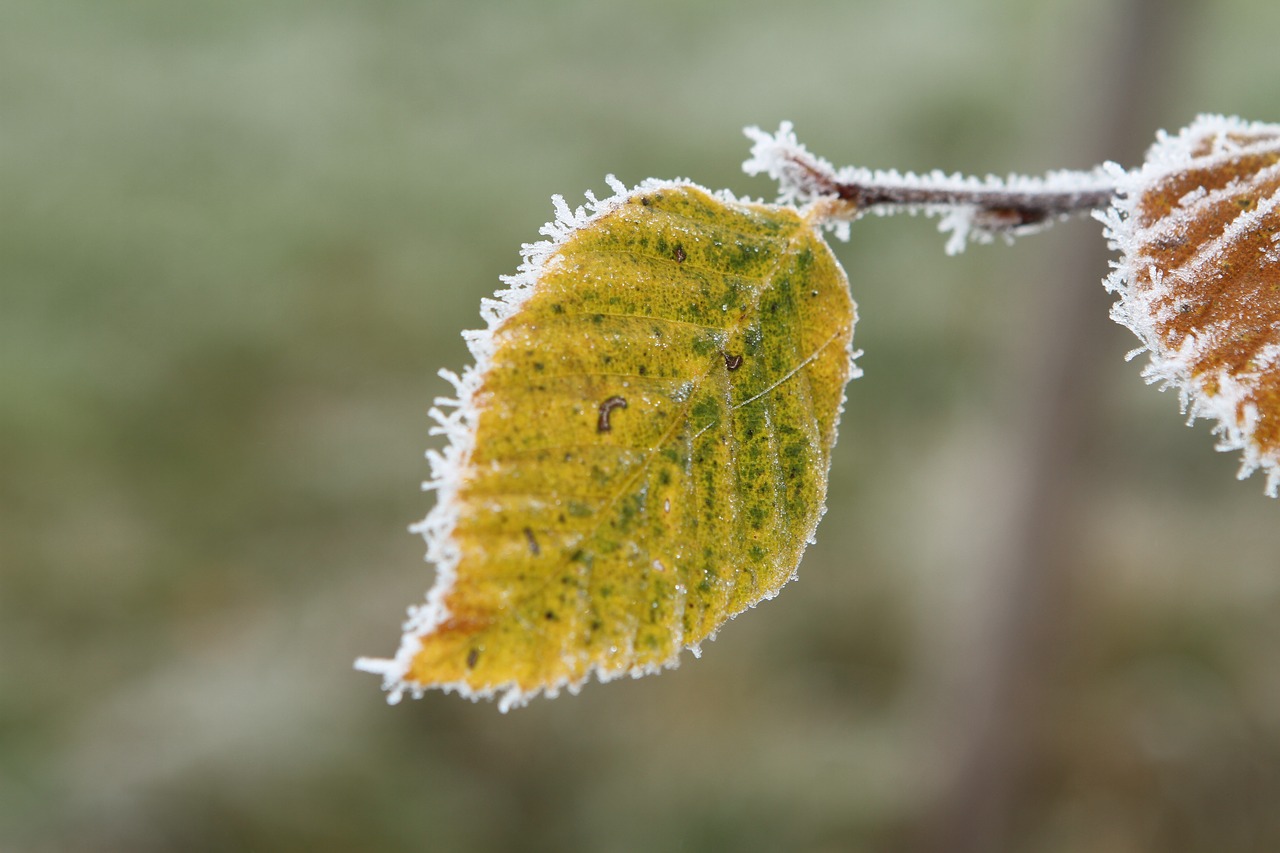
[[1011, 680]]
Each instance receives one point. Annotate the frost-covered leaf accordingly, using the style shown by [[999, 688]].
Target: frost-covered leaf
[[641, 450], [1199, 277]]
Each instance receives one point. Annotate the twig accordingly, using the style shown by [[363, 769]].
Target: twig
[[996, 208], [971, 208]]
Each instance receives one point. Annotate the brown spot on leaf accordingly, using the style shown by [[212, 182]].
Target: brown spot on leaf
[[615, 402]]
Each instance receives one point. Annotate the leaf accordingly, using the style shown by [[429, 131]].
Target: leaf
[[641, 451], [1199, 277]]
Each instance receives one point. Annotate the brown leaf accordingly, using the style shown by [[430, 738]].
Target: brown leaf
[[1199, 277]]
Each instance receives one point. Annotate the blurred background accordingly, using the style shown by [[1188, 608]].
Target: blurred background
[[238, 239]]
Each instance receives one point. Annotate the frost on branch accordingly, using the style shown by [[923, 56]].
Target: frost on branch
[[1198, 278], [970, 209]]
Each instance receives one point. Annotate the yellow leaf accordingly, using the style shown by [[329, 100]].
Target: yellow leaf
[[641, 451], [1199, 277]]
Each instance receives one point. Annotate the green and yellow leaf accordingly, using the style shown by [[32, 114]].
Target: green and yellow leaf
[[641, 450]]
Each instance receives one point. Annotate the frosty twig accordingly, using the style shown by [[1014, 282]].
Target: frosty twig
[[970, 207], [996, 208]]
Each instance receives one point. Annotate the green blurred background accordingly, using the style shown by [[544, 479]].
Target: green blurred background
[[238, 239]]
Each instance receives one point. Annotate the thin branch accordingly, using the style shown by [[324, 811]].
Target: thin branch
[[971, 208], [996, 208]]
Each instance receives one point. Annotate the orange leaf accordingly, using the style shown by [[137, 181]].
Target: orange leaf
[[1199, 277]]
